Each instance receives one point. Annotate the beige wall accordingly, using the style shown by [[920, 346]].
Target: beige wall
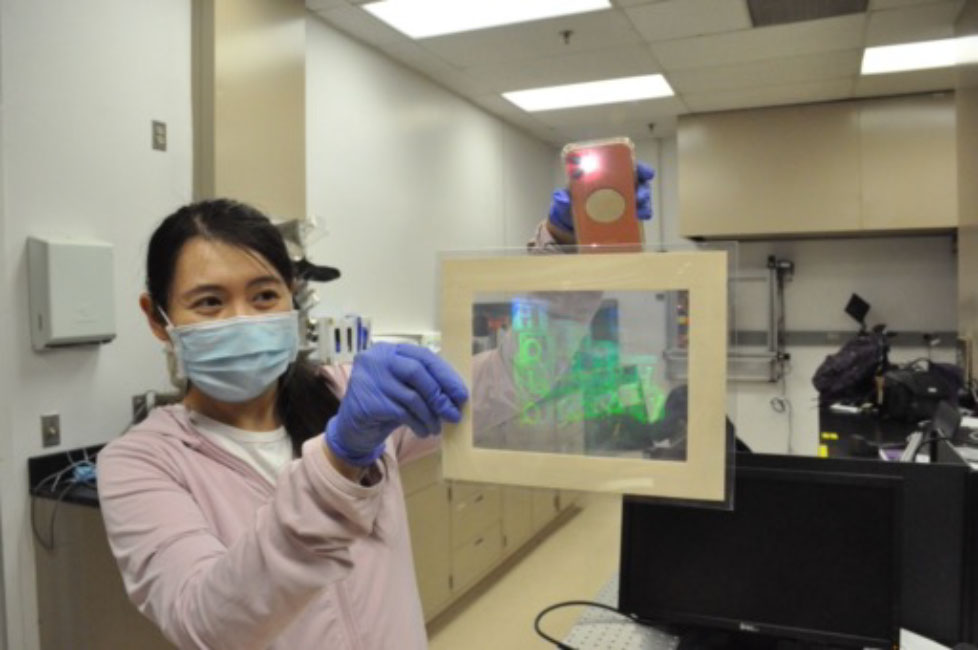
[[249, 99], [967, 109]]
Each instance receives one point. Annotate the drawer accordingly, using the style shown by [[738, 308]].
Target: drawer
[[467, 491], [420, 473], [476, 513], [471, 561]]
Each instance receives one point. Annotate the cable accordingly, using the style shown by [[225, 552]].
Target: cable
[[574, 603], [781, 404], [926, 440]]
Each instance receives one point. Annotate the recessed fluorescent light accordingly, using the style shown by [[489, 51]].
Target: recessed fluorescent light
[[424, 18], [967, 50], [609, 91], [923, 55]]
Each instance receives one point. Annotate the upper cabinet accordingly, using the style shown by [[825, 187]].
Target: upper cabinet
[[909, 163], [822, 169]]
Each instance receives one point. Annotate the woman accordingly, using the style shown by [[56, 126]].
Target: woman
[[266, 510], [222, 539]]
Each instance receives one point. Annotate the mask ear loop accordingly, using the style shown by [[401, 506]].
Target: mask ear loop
[[172, 350]]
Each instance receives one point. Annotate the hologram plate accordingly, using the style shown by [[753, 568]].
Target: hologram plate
[[548, 416]]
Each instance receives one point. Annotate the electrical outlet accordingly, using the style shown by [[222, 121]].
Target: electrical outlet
[[159, 135], [51, 430]]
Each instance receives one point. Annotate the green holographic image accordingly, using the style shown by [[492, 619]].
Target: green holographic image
[[594, 386], [581, 372]]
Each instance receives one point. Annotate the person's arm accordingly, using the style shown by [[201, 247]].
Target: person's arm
[[208, 596]]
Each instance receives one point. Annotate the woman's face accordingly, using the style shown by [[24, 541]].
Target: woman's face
[[214, 281]]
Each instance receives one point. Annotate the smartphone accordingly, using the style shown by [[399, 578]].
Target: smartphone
[[601, 181]]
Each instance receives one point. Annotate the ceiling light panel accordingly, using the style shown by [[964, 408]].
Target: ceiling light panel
[[592, 93], [426, 18], [923, 55]]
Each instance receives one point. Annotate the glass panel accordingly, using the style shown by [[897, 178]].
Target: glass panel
[[578, 372]]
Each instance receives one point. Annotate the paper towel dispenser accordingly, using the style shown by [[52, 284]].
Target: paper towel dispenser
[[72, 292]]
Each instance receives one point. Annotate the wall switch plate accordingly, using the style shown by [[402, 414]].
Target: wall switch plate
[[159, 135], [51, 430]]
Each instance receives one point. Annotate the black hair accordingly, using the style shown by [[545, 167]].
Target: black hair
[[304, 403]]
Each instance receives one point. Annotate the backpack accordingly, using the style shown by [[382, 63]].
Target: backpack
[[848, 374], [911, 394]]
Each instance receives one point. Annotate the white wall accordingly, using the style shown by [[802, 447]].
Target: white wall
[[398, 169], [6, 352], [81, 83], [911, 283]]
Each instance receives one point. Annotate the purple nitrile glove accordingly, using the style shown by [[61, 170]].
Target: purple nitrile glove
[[560, 205], [393, 385]]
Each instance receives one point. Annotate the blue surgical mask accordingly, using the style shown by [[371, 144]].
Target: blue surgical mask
[[236, 359]]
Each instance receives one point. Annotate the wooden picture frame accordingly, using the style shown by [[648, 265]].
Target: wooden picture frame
[[702, 476]]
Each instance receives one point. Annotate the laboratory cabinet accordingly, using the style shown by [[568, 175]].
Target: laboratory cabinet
[[460, 532], [81, 601], [841, 168]]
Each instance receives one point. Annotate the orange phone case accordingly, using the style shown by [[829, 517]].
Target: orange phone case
[[601, 180]]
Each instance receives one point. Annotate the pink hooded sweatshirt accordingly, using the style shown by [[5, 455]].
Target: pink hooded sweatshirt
[[221, 559]]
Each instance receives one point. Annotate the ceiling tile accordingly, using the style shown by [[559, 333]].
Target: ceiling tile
[[685, 18], [631, 60], [358, 23], [637, 131], [801, 93], [915, 23], [875, 5], [504, 109], [905, 82], [322, 5], [770, 72], [592, 31], [641, 112], [636, 3], [409, 53], [827, 35]]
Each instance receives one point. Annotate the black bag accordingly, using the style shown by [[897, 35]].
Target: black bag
[[848, 374], [911, 394]]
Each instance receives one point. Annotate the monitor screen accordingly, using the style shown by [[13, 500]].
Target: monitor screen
[[808, 555]]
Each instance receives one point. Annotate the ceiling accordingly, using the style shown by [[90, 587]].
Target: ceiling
[[707, 49]]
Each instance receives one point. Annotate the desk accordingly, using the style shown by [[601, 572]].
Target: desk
[[867, 425], [597, 628]]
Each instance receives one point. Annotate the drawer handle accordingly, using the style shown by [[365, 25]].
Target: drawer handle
[[478, 542], [480, 498]]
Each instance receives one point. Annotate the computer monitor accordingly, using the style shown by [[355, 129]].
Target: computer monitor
[[811, 555]]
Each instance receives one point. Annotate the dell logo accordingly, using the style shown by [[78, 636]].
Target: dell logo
[[747, 627]]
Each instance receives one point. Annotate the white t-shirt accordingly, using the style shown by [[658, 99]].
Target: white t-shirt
[[266, 451]]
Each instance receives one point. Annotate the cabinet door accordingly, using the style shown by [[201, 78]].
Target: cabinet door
[[909, 163], [566, 498], [776, 170], [517, 517], [473, 511], [476, 557], [429, 516], [544, 508]]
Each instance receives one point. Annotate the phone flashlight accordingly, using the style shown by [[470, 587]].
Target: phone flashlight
[[589, 163]]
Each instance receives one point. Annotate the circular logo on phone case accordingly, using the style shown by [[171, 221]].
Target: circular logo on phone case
[[605, 205]]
